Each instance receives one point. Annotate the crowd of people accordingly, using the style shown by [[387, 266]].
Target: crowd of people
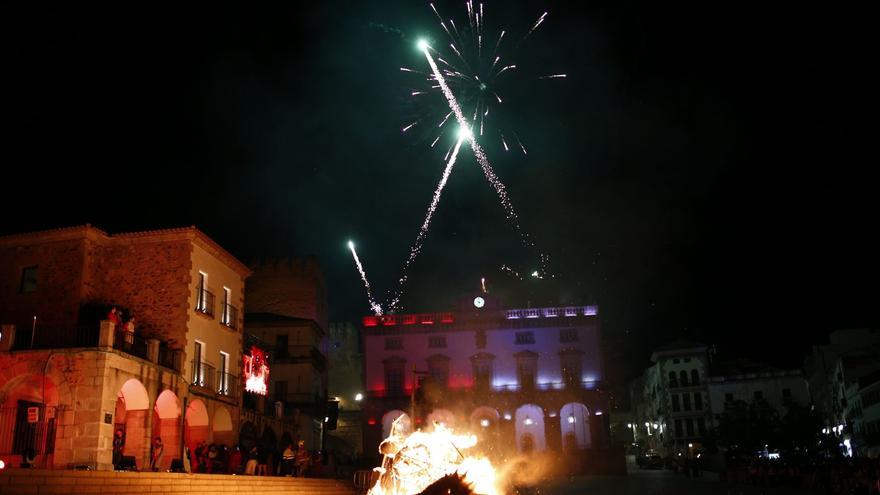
[[215, 458], [850, 476]]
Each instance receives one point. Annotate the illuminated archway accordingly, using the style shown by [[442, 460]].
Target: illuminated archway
[[529, 427], [132, 420], [166, 425], [196, 429], [221, 425], [574, 422], [484, 417], [403, 426]]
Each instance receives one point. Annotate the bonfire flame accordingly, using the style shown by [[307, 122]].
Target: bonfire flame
[[414, 461]]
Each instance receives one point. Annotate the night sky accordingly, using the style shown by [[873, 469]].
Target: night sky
[[704, 172]]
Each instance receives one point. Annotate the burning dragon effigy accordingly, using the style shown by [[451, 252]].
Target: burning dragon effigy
[[424, 463]]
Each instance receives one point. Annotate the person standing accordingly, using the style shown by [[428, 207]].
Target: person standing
[[114, 318], [302, 459], [156, 453], [288, 457], [128, 334], [251, 466], [118, 444]]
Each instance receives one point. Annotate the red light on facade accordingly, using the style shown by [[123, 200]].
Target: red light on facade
[[409, 319], [446, 318], [427, 319], [371, 421], [370, 321], [389, 321]]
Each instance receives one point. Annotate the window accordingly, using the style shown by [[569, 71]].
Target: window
[[759, 395], [572, 365], [678, 431], [437, 341], [683, 378], [28, 279], [686, 400], [394, 377], [676, 361], [281, 390], [438, 369], [673, 380], [393, 343], [728, 397], [698, 401], [568, 335], [281, 345], [675, 403], [526, 369], [483, 364], [689, 424], [204, 298], [198, 363], [229, 314], [224, 374], [701, 426], [695, 377], [525, 338], [686, 360]]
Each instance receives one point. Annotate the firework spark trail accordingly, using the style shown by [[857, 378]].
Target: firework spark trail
[[540, 20], [375, 307], [423, 230], [478, 152]]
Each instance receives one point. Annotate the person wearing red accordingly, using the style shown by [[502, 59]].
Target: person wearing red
[[113, 316]]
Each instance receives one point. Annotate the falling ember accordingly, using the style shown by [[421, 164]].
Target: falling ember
[[554, 76], [412, 462], [375, 307], [408, 127]]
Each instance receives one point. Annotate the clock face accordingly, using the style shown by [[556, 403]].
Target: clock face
[[479, 302]]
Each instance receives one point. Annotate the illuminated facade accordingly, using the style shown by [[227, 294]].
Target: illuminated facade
[[177, 374], [531, 378]]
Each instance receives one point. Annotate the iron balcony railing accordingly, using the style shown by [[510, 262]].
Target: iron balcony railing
[[203, 375], [43, 337], [130, 343], [166, 357], [228, 385], [204, 301], [229, 317]]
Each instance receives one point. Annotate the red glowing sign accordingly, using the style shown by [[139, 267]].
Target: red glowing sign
[[255, 371]]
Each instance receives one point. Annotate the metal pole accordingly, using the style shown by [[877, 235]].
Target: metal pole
[[182, 428], [33, 329]]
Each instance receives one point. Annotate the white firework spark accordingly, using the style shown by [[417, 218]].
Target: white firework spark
[[423, 231], [373, 305]]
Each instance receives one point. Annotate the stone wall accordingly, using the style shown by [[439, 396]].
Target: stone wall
[[59, 279], [289, 287], [149, 278]]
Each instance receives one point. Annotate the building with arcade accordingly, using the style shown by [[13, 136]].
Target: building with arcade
[[525, 380], [70, 378]]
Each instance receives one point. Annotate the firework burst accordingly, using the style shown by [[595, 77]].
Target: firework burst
[[478, 64]]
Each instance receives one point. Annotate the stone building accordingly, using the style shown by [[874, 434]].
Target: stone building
[[287, 312], [670, 400], [69, 378], [524, 380]]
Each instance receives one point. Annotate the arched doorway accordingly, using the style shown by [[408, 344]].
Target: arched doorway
[[441, 417], [401, 426], [196, 429], [222, 427], [529, 427], [166, 425], [132, 419], [484, 418], [21, 395], [574, 420]]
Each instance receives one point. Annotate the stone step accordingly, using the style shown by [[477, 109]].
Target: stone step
[[34, 481]]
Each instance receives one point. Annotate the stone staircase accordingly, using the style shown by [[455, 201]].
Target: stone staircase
[[42, 481]]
